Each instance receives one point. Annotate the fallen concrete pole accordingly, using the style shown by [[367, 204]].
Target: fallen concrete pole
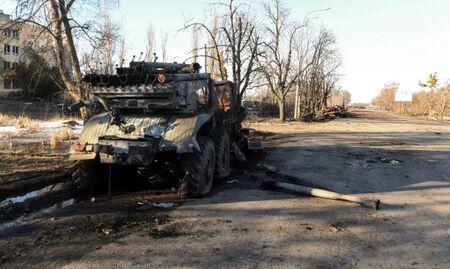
[[374, 204]]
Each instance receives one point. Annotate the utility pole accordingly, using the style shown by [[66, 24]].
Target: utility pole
[[206, 60], [297, 101]]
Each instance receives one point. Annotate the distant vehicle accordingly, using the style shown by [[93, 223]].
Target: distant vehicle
[[159, 119]]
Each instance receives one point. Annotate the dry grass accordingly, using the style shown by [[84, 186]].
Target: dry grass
[[5, 136], [32, 127], [5, 119], [21, 122], [10, 135], [62, 135]]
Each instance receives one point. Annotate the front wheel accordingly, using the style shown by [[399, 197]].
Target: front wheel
[[198, 169], [90, 175]]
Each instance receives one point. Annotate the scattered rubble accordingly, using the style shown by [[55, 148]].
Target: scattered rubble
[[107, 231], [163, 226], [327, 114], [384, 160], [164, 205], [146, 206], [269, 168]]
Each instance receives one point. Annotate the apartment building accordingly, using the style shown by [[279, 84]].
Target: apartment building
[[14, 42], [11, 49]]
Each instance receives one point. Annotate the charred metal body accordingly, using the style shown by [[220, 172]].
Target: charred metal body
[[162, 112]]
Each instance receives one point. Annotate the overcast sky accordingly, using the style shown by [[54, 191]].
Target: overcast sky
[[380, 41]]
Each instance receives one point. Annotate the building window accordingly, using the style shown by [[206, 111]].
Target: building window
[[7, 32], [7, 83], [14, 65], [15, 50], [15, 33], [6, 65], [15, 84], [7, 49]]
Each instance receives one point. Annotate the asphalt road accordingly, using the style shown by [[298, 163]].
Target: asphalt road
[[404, 162]]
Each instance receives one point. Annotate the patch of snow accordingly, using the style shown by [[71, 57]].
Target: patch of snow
[[54, 126], [46, 127], [8, 129]]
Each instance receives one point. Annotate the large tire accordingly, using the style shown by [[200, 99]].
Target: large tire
[[90, 175], [222, 148], [198, 169]]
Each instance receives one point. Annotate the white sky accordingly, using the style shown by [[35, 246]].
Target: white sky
[[380, 41]]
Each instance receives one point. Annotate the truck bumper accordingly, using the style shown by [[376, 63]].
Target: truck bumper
[[125, 152]]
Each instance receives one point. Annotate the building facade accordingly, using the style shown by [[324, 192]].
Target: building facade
[[11, 49], [15, 41]]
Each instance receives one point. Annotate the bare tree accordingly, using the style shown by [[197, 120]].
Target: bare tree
[[194, 44], [122, 50], [150, 43], [107, 41], [164, 40], [386, 97], [438, 97], [340, 97], [420, 102], [277, 64], [320, 76], [212, 53], [432, 84], [443, 100], [60, 20], [233, 41], [242, 43]]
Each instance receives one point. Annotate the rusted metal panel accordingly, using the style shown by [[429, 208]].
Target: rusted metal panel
[[182, 132]]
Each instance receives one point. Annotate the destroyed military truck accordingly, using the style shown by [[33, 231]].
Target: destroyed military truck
[[159, 120]]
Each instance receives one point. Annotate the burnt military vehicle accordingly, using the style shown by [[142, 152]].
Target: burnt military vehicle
[[158, 119]]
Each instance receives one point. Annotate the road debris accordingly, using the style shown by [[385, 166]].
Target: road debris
[[146, 206], [383, 160], [374, 204], [255, 146], [232, 181], [326, 114], [107, 231], [164, 205], [269, 168]]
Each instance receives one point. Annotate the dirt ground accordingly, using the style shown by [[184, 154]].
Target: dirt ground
[[402, 161]]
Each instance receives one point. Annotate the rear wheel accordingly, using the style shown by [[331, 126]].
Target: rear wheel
[[222, 148], [198, 169]]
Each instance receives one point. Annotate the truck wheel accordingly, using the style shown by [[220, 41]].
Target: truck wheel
[[90, 175], [198, 169], [222, 147]]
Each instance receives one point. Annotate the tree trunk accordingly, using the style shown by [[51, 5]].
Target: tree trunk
[[282, 108]]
